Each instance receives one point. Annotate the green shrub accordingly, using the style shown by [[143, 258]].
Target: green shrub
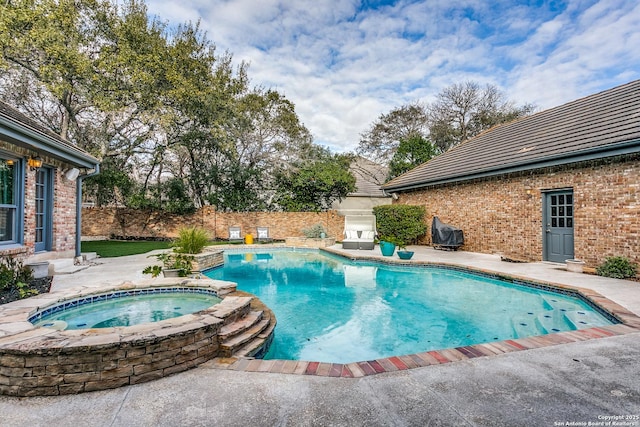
[[313, 232], [191, 240], [12, 272], [400, 224], [617, 267], [25, 291]]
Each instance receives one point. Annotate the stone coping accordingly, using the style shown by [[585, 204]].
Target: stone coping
[[14, 316]]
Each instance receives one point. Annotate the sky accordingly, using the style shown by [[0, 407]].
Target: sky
[[343, 63]]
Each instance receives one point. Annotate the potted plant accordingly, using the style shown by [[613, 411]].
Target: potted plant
[[403, 253], [399, 225], [174, 264], [387, 245], [179, 263]]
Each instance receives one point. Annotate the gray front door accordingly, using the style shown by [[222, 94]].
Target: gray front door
[[44, 206], [558, 222]]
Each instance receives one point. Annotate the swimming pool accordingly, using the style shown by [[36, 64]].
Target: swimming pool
[[330, 309]]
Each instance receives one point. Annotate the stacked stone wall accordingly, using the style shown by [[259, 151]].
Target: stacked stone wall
[[73, 370], [504, 214]]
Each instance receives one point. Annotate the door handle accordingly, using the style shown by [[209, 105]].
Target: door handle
[[548, 230]]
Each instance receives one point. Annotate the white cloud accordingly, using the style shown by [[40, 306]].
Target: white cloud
[[596, 50], [343, 66]]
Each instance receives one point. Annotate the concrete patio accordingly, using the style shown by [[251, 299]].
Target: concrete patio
[[581, 382]]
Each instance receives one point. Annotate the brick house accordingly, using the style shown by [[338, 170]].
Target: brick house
[[560, 184], [40, 189]]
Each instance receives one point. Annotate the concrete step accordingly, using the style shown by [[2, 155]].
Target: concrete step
[[89, 256], [64, 266]]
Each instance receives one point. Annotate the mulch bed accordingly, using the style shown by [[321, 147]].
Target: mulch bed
[[12, 294]]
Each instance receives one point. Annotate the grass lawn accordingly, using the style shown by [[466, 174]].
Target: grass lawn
[[115, 248]]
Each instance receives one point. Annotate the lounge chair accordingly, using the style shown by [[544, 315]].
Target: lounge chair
[[359, 232], [263, 234], [235, 234]]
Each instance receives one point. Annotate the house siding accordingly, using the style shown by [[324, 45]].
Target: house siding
[[498, 216]]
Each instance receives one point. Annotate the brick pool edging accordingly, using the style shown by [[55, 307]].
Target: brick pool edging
[[42, 361], [629, 323], [418, 360]]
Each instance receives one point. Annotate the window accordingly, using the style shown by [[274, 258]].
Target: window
[[562, 210], [10, 196]]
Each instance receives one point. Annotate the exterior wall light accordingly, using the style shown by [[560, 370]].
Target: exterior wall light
[[35, 163]]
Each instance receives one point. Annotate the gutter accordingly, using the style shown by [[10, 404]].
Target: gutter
[[96, 171], [33, 139]]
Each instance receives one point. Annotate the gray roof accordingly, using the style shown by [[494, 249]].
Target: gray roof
[[369, 178], [597, 126], [19, 129]]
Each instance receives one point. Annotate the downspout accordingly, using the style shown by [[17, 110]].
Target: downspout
[[96, 171]]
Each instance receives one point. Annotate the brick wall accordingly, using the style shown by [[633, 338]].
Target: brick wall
[[64, 212], [137, 223], [64, 207], [504, 214]]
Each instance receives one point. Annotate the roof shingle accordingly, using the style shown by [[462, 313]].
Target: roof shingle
[[44, 134], [596, 125]]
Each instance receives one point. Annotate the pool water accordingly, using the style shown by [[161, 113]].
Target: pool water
[[129, 310], [330, 309]]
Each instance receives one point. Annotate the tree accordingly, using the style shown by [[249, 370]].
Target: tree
[[411, 152], [175, 125], [380, 142], [314, 186], [462, 111]]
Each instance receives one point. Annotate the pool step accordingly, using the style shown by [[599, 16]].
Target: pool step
[[259, 345], [526, 326], [232, 309], [553, 304], [240, 325], [553, 321], [581, 319], [244, 332]]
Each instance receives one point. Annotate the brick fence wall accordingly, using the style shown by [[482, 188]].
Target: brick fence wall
[[141, 223], [504, 214]]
